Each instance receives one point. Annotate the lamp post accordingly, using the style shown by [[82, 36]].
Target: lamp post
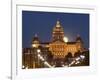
[[37, 52], [34, 51]]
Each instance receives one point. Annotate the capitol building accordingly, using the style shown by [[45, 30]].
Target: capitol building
[[59, 52]]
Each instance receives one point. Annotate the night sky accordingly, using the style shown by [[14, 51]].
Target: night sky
[[42, 23]]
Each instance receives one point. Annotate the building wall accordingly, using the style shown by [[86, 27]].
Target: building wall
[[61, 49]]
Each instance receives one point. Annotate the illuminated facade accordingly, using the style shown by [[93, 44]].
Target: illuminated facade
[[54, 52], [59, 47]]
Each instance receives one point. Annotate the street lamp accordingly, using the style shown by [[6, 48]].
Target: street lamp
[[23, 67], [38, 50], [82, 56]]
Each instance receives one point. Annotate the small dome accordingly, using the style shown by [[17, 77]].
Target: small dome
[[78, 38], [35, 39], [58, 27]]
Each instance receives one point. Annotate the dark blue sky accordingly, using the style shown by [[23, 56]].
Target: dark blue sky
[[42, 23]]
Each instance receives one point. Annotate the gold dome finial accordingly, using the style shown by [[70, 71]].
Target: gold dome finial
[[36, 35], [58, 23]]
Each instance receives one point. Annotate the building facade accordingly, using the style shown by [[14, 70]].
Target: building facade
[[53, 52]]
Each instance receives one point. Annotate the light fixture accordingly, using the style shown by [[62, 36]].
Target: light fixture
[[23, 66], [33, 45], [77, 58], [82, 56], [38, 50]]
